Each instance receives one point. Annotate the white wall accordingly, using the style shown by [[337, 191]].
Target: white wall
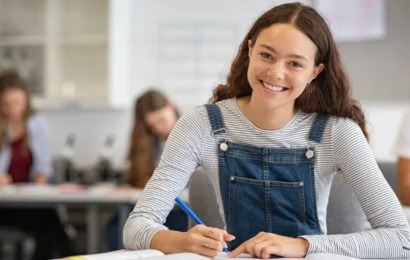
[[384, 121], [91, 127], [380, 69]]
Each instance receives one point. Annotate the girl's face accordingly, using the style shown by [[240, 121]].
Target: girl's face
[[281, 64], [14, 103], [162, 121]]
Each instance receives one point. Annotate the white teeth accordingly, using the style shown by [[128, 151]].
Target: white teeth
[[273, 88]]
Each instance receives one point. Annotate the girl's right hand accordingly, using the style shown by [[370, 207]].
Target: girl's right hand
[[206, 241], [5, 179]]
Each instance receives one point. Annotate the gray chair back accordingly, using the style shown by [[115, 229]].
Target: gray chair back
[[389, 170], [344, 214], [202, 200]]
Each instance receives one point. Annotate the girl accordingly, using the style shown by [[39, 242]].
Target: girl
[[155, 117], [274, 137], [24, 157]]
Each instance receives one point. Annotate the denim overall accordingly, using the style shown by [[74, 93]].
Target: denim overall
[[266, 189]]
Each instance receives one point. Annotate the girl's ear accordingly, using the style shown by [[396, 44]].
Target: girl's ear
[[317, 70], [170, 105], [249, 48]]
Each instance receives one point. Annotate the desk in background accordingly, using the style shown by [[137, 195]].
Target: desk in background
[[91, 198]]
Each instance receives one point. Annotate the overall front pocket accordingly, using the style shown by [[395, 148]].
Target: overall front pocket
[[246, 212], [269, 206], [287, 209]]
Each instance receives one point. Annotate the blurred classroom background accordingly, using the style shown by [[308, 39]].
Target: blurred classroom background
[[86, 61]]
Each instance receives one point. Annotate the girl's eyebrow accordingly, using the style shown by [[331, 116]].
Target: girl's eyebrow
[[292, 55]]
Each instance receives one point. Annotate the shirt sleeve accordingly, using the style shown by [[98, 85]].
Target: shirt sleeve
[[4, 158], [179, 160], [390, 236], [40, 135]]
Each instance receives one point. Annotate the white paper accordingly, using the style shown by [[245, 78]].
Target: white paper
[[181, 256], [124, 255], [315, 256], [157, 255]]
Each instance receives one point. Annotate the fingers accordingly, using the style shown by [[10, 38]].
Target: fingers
[[41, 179], [214, 233], [260, 247], [250, 247], [212, 244], [253, 246], [218, 235], [268, 251], [239, 250], [227, 237], [207, 241], [5, 179], [206, 251]]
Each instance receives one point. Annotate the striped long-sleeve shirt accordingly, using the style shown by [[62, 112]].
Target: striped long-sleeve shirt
[[343, 147]]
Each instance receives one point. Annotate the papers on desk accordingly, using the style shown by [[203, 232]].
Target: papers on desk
[[316, 256], [157, 255], [31, 188], [7, 189], [119, 255], [27, 188], [71, 188], [134, 255], [66, 188], [325, 256]]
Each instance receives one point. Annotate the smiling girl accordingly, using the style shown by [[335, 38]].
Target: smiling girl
[[271, 142]]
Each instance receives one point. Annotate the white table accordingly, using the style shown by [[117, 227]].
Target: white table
[[92, 198]]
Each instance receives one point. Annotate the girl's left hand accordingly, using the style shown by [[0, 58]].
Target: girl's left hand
[[266, 245], [41, 179]]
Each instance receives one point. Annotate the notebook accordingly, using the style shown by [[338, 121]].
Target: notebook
[[157, 255], [134, 255]]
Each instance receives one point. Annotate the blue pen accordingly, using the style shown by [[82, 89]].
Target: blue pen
[[190, 213]]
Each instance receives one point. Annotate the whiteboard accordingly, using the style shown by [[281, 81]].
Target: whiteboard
[[186, 47], [194, 58]]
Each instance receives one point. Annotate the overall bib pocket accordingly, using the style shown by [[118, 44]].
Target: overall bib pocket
[[281, 203]]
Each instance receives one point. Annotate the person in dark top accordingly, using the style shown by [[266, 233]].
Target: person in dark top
[[24, 158]]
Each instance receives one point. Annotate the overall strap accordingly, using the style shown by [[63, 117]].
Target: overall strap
[[318, 127], [216, 119]]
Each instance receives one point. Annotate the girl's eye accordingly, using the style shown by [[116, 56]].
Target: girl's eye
[[295, 64], [266, 55]]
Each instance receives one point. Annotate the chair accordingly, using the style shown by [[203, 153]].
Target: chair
[[15, 244], [344, 214], [389, 170], [202, 200]]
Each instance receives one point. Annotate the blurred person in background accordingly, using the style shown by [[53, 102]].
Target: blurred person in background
[[154, 118], [24, 158], [403, 162]]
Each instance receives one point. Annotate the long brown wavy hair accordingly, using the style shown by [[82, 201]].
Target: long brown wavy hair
[[329, 93], [141, 155], [9, 80]]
